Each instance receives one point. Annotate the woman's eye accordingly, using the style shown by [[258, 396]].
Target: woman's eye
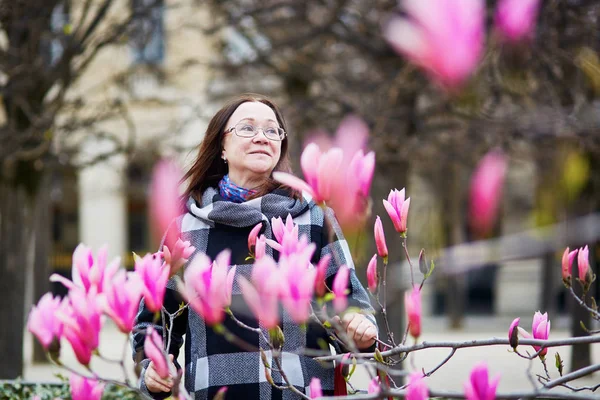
[[248, 128], [271, 131]]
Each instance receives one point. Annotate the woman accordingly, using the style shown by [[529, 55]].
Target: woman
[[230, 190]]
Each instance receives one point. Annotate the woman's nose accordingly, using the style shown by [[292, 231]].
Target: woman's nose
[[260, 137]]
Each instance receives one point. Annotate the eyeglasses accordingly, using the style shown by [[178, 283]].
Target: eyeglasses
[[247, 130]]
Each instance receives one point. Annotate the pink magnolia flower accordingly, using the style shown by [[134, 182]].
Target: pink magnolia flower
[[177, 257], [444, 37], [320, 171], [374, 386], [412, 303], [81, 319], [351, 194], [515, 19], [253, 236], [339, 288], [89, 272], [208, 286], [583, 264], [121, 299], [261, 247], [567, 263], [380, 239], [297, 283], [85, 388], [165, 203], [540, 329], [154, 275], [262, 294], [486, 192], [397, 208], [417, 388], [42, 322], [478, 387], [372, 274], [281, 230], [315, 388], [153, 348], [320, 286], [513, 337], [351, 186]]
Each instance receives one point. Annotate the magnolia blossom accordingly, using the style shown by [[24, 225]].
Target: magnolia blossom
[[380, 239], [320, 171], [583, 265], [397, 208], [322, 265], [154, 275], [153, 348], [297, 282], [339, 288], [486, 192], [253, 236], [81, 320], [85, 388], [515, 19], [372, 274], [567, 263], [282, 230], [412, 303], [350, 189], [208, 286], [446, 38], [176, 258], [89, 272], [513, 337], [262, 294], [315, 388], [479, 387], [417, 388], [374, 386], [540, 329], [42, 322], [121, 299], [261, 247], [164, 201]]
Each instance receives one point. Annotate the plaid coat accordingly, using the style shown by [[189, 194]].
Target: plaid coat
[[210, 360]]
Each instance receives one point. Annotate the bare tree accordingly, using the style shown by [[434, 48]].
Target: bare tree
[[330, 59], [46, 47]]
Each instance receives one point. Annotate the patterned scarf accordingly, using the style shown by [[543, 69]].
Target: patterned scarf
[[232, 192]]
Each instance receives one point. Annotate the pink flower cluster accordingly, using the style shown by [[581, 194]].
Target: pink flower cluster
[[294, 281], [338, 174], [446, 37]]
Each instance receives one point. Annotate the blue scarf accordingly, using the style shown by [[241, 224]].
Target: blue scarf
[[232, 192]]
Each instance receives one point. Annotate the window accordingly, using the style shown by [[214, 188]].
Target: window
[[148, 36]]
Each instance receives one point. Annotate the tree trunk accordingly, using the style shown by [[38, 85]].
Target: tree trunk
[[455, 295], [15, 215], [43, 246]]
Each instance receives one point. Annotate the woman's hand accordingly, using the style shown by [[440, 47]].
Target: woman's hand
[[359, 328], [154, 382]]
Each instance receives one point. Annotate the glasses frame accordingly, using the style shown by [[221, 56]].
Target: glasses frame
[[281, 138]]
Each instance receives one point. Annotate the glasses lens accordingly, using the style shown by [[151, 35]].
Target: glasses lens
[[245, 130]]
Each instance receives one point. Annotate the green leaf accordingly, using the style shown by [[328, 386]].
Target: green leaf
[[559, 364]]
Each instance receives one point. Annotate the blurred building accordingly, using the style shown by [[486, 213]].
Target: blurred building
[[158, 78]]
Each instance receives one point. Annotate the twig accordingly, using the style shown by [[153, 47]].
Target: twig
[[412, 277], [583, 304], [573, 375], [473, 343], [440, 364]]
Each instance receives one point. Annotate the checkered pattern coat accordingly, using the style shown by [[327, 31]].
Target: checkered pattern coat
[[210, 360]]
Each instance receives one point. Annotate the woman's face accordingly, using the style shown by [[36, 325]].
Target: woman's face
[[251, 160]]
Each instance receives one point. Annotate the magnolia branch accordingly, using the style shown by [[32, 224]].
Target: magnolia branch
[[473, 343]]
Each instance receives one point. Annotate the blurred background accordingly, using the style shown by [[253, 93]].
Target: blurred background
[[94, 92]]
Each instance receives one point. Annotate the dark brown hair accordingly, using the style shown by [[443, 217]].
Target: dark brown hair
[[209, 168]]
